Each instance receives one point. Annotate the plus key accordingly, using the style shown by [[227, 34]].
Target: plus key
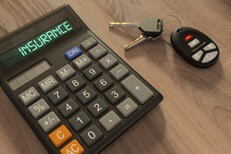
[[137, 89]]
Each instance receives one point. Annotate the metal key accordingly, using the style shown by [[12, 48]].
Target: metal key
[[151, 28]]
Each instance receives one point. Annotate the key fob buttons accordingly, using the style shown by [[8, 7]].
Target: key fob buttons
[[195, 47]]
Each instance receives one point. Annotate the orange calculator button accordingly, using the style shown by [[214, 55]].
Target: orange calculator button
[[72, 148], [60, 135]]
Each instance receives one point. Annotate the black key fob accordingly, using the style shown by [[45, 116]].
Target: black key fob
[[195, 47]]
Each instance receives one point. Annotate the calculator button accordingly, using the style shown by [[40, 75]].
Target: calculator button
[[197, 55], [39, 108], [114, 95], [210, 46], [58, 95], [79, 121], [82, 62], [60, 136], [73, 53], [209, 56], [65, 72], [110, 121], [29, 96], [98, 51], [119, 72], [193, 43], [103, 83], [91, 135], [86, 95], [49, 121], [127, 107], [138, 90], [92, 72], [48, 83], [75, 83], [98, 107], [88, 43], [68, 108], [108, 61], [72, 148]]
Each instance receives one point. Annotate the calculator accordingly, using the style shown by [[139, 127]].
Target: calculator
[[76, 94]]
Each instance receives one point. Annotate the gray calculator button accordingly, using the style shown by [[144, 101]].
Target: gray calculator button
[[193, 43], [82, 61], [110, 121], [210, 46], [88, 43], [39, 108], [108, 61], [138, 90], [65, 72], [197, 55], [49, 121], [29, 96], [48, 83], [127, 107], [98, 51], [209, 56], [119, 72]]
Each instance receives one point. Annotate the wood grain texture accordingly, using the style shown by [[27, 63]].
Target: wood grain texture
[[195, 116]]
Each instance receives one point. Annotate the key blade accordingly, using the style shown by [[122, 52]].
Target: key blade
[[136, 42], [124, 24]]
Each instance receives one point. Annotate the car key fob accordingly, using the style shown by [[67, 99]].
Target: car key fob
[[195, 47]]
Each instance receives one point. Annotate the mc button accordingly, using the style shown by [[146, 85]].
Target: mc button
[[72, 148], [60, 135]]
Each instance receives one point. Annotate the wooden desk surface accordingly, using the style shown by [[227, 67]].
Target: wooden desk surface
[[195, 116]]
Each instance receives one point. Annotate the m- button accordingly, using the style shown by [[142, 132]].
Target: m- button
[[60, 135], [72, 148], [65, 72], [48, 83]]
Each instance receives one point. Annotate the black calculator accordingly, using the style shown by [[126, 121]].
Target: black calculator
[[76, 94]]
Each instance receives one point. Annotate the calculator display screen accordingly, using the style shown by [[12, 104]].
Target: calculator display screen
[[36, 43]]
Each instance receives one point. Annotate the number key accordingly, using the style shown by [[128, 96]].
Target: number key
[[68, 108], [92, 72], [91, 135], [86, 95], [79, 121], [103, 83], [114, 95], [98, 107], [58, 95], [75, 83]]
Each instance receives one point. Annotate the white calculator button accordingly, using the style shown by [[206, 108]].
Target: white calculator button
[[197, 55], [209, 56], [210, 46], [193, 43]]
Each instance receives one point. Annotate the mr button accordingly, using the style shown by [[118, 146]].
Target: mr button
[[60, 135]]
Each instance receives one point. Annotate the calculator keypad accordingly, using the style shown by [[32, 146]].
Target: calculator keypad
[[49, 121], [65, 72], [91, 93], [68, 108], [110, 121], [39, 108], [98, 107], [75, 83], [86, 95], [57, 95], [79, 121], [91, 135], [48, 83]]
